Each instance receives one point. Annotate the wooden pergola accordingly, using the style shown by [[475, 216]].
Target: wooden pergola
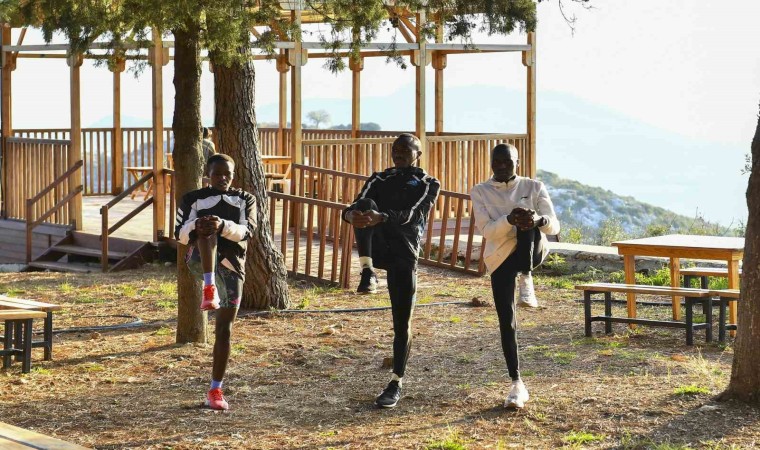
[[459, 160]]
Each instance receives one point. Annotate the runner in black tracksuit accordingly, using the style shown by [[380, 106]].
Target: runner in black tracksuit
[[389, 216]]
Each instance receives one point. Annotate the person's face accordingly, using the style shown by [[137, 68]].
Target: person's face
[[503, 165], [221, 173], [404, 156]]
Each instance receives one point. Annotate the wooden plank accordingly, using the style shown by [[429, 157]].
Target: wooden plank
[[16, 314], [35, 440], [733, 283], [675, 282], [644, 289], [159, 189]]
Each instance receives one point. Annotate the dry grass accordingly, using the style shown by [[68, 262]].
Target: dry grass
[[308, 380]]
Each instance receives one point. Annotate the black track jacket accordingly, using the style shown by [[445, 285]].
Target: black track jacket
[[406, 195], [236, 208]]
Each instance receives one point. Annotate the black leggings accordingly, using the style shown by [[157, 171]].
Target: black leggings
[[402, 287], [503, 287]]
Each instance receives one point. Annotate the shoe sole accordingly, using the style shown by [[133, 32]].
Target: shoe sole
[[207, 405], [386, 406], [526, 305], [371, 291], [212, 308]]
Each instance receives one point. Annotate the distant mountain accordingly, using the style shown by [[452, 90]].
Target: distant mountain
[[582, 141], [598, 215]]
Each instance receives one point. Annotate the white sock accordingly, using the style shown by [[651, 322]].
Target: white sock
[[400, 380], [365, 262]]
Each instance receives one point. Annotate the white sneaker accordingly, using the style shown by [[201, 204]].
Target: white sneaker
[[527, 293], [517, 396]]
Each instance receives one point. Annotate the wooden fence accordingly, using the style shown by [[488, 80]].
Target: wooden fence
[[314, 241], [30, 166], [450, 239]]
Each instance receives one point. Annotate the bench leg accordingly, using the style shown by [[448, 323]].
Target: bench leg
[[8, 343], [722, 319], [48, 336], [704, 282], [608, 312], [689, 321], [17, 330], [687, 280], [708, 306], [587, 312], [26, 362]]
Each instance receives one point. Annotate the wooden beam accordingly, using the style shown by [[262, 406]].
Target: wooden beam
[[117, 148], [75, 151], [439, 63], [6, 127], [282, 68], [356, 67], [295, 59], [158, 60], [420, 60], [529, 60]]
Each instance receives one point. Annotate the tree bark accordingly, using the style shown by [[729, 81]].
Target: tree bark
[[745, 374], [188, 170], [236, 133]]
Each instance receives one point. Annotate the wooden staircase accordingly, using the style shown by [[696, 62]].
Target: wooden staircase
[[81, 252]]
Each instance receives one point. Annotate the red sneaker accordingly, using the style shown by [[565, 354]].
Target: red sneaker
[[215, 400], [210, 298]]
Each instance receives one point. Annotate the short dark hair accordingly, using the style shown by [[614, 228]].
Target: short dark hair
[[407, 140], [218, 157], [508, 148], [205, 132]]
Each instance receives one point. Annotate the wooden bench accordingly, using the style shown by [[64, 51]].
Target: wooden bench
[[13, 438], [48, 308], [725, 296], [691, 295], [703, 273], [18, 336]]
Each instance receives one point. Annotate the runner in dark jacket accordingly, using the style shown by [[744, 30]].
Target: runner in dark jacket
[[389, 217]]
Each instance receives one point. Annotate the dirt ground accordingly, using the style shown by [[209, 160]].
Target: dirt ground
[[308, 380]]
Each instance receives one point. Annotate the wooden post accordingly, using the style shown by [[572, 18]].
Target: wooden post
[[296, 59], [9, 64], [420, 60], [117, 144], [356, 67], [75, 151], [439, 63], [283, 68], [158, 57], [529, 60]]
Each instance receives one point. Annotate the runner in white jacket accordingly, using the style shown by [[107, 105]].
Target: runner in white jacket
[[513, 214]]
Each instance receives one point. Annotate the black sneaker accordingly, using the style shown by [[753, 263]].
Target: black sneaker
[[390, 395], [368, 284]]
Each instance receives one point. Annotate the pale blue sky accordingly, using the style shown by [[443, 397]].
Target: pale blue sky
[[685, 67]]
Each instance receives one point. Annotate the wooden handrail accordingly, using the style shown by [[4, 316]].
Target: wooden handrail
[[381, 140], [22, 140], [105, 230], [144, 179], [30, 224], [471, 137], [56, 207], [56, 182]]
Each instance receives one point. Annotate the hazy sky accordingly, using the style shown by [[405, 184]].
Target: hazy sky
[[684, 66]]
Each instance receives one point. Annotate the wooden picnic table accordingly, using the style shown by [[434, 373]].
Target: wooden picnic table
[[12, 438], [137, 172], [677, 247]]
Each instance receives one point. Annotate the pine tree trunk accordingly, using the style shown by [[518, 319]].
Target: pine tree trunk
[[188, 170], [745, 374], [236, 133]]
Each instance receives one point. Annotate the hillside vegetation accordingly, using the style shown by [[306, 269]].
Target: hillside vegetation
[[593, 215]]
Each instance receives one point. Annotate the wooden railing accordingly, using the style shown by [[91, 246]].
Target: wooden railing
[[106, 230], [450, 239], [361, 156], [462, 161], [30, 165], [458, 160], [316, 254], [35, 215]]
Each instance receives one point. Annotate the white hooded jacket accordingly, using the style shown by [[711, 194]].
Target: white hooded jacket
[[493, 201]]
